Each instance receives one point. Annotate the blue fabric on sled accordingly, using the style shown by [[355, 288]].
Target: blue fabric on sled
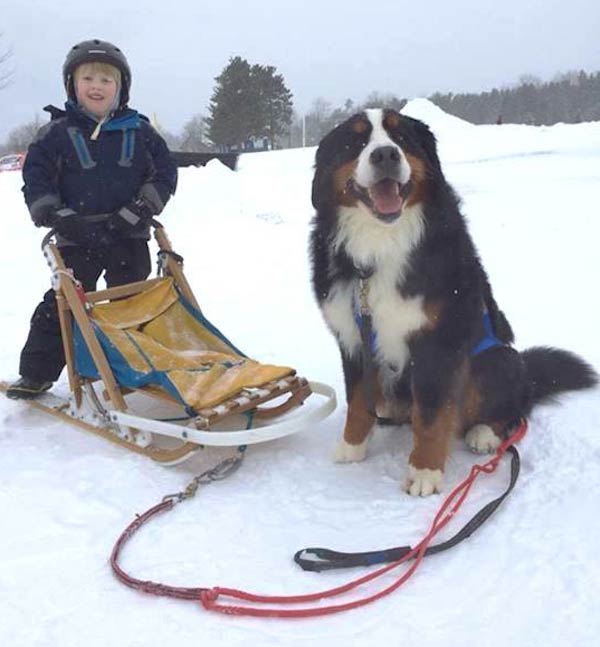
[[124, 374]]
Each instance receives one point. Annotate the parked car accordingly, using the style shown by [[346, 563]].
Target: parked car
[[13, 162]]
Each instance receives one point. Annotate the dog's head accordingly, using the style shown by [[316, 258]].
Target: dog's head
[[378, 159]]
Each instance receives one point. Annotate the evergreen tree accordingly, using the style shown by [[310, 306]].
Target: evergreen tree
[[273, 107], [229, 120], [248, 102]]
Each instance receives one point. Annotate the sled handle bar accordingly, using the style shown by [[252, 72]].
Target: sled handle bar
[[52, 233]]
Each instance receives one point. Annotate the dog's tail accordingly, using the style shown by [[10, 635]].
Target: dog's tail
[[551, 371]]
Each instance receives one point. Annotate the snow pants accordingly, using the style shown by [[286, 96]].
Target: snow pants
[[128, 260]]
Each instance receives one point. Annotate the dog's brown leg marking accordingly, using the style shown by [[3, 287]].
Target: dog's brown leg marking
[[472, 407], [359, 420], [472, 411], [432, 441]]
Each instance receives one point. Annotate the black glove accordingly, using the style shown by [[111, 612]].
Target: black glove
[[45, 216], [81, 231], [131, 218]]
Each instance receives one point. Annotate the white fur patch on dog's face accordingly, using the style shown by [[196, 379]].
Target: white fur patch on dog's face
[[364, 173]]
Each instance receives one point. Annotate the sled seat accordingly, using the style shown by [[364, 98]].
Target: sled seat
[[156, 340]]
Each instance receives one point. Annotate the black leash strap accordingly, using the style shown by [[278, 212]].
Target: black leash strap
[[324, 559]]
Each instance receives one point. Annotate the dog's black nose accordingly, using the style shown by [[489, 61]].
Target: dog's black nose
[[385, 156], [386, 161]]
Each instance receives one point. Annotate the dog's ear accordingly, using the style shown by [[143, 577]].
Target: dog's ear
[[320, 187], [327, 159], [430, 146], [322, 177], [428, 143]]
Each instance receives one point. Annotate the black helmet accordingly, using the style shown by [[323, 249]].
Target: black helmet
[[96, 51]]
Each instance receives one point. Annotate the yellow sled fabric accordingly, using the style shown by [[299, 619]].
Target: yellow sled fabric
[[158, 338]]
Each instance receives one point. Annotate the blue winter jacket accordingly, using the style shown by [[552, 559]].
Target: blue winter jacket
[[64, 167]]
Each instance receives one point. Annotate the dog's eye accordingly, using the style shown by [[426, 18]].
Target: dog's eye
[[360, 141], [356, 141]]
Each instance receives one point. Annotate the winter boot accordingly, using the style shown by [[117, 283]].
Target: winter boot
[[26, 389]]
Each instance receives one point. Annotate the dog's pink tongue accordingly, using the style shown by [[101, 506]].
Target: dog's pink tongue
[[386, 196]]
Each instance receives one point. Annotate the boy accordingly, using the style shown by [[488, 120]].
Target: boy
[[97, 174]]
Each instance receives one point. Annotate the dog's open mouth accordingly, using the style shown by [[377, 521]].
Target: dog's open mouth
[[385, 198]]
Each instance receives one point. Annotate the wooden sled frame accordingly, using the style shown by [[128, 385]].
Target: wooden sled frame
[[108, 413]]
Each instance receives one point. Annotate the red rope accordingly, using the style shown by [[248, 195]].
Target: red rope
[[451, 505]]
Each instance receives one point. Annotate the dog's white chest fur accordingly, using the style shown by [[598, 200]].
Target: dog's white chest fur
[[394, 318], [384, 248]]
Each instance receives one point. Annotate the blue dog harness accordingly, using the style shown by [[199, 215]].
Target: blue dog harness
[[488, 341]]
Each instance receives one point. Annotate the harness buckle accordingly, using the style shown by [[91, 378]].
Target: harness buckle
[[363, 296]]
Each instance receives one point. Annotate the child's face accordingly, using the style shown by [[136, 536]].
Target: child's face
[[95, 91]]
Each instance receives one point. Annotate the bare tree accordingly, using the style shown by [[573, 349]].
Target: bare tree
[[194, 138], [571, 76], [530, 79], [171, 139], [19, 138], [384, 100], [6, 74], [318, 121]]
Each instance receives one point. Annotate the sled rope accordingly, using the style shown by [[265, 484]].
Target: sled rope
[[217, 473], [208, 597]]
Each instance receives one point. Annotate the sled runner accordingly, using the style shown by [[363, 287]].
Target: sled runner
[[148, 371]]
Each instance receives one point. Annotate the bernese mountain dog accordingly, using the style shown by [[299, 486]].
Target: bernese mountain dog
[[401, 286]]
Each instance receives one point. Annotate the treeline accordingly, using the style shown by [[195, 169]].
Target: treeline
[[251, 108], [570, 98]]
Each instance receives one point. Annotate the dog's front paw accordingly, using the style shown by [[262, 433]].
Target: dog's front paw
[[423, 482], [481, 439], [347, 453]]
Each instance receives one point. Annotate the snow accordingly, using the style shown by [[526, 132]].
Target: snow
[[531, 575]]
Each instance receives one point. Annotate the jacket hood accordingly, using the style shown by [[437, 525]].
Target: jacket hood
[[121, 119]]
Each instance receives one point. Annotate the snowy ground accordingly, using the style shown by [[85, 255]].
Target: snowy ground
[[531, 576]]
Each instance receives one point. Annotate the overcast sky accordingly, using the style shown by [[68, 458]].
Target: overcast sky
[[331, 49]]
